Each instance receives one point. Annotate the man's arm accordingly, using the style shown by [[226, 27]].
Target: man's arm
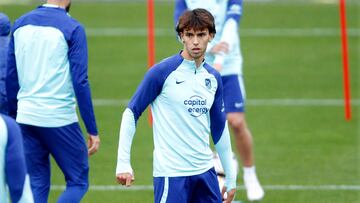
[[221, 138], [124, 171], [230, 32], [11, 80], [180, 8], [232, 20], [15, 168], [147, 92], [78, 58], [223, 147]]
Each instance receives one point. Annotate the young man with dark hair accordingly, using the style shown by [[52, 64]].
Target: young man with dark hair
[[185, 94], [46, 77], [224, 54]]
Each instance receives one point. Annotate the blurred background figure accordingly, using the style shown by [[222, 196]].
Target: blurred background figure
[[47, 75], [224, 54], [4, 45], [13, 173]]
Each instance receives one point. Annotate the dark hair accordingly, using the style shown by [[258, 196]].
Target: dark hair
[[197, 19]]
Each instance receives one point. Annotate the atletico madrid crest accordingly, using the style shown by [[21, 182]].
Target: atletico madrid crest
[[208, 83]]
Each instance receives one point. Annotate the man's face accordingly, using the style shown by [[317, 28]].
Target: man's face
[[195, 42]]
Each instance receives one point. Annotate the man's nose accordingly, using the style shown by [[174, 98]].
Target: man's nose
[[196, 40]]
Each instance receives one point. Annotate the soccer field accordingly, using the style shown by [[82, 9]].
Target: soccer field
[[305, 150]]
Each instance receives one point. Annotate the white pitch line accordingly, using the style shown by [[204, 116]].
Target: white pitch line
[[253, 102], [266, 187], [249, 32]]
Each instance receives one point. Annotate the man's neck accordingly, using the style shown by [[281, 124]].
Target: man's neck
[[197, 61], [61, 4]]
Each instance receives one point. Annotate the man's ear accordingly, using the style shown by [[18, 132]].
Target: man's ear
[[181, 37], [212, 35]]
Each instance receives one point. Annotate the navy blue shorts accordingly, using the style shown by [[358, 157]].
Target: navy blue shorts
[[233, 97], [202, 188]]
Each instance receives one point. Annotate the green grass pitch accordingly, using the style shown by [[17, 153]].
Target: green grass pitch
[[293, 76]]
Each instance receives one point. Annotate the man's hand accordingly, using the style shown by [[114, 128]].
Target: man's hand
[[228, 197], [219, 51], [93, 144], [217, 66], [220, 48], [125, 179]]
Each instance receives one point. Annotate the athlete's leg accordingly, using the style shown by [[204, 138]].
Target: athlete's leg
[[235, 108], [243, 137], [37, 161], [68, 147]]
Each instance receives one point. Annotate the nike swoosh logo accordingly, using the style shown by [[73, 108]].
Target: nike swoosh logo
[[238, 105], [179, 82]]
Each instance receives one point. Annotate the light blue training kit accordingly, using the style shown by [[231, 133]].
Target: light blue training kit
[[187, 106], [46, 77]]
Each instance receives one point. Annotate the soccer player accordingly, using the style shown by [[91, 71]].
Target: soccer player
[[224, 54], [4, 44], [13, 173], [185, 94], [47, 73]]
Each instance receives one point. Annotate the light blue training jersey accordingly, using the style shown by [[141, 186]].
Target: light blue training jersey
[[187, 106], [13, 176], [227, 15], [47, 70]]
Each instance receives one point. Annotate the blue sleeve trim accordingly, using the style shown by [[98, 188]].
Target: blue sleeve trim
[[234, 10], [180, 8], [78, 58], [152, 84], [15, 167], [217, 111], [11, 80], [4, 49]]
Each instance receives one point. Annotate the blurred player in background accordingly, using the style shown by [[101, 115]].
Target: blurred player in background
[[4, 44], [224, 54], [185, 94], [13, 175], [47, 73]]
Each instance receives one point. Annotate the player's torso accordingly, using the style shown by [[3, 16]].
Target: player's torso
[[182, 121], [189, 91], [46, 97]]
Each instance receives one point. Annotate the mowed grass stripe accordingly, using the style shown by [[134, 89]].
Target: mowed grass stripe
[[247, 32], [266, 187]]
